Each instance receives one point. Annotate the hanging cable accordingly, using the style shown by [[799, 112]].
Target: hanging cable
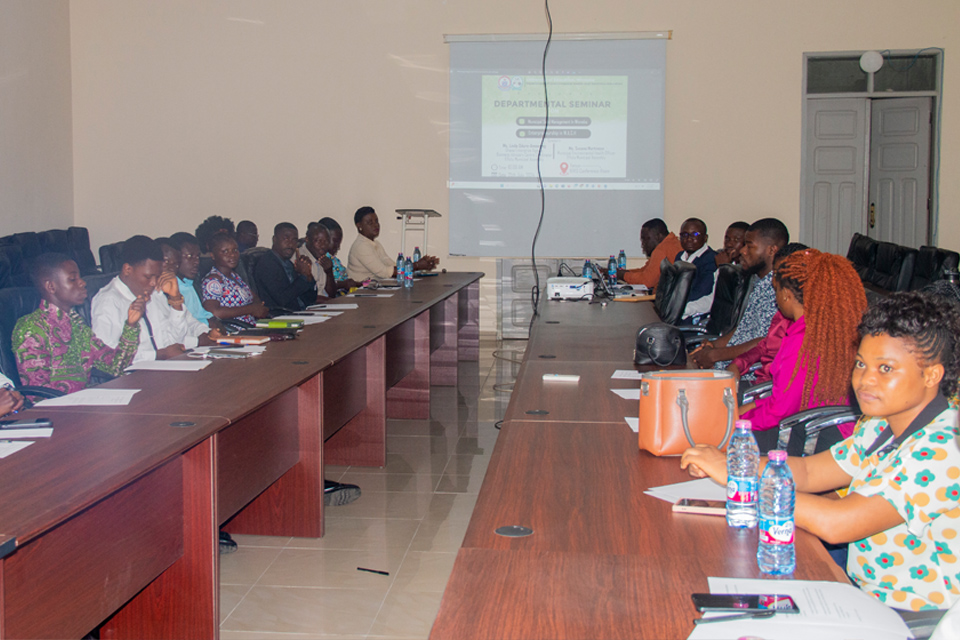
[[543, 137]]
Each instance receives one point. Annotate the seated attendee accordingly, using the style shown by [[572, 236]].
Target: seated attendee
[[247, 235], [693, 239], [344, 282], [900, 467], [225, 294], [822, 297], [166, 328], [54, 347], [764, 239], [213, 225], [765, 350], [10, 400], [367, 257], [315, 250], [285, 285], [733, 241], [658, 243], [187, 272]]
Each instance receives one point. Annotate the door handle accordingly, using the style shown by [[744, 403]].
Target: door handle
[[873, 215]]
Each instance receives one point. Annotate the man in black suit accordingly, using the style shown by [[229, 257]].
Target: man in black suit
[[284, 284]]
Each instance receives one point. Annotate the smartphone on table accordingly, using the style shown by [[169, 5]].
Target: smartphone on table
[[745, 603], [702, 507]]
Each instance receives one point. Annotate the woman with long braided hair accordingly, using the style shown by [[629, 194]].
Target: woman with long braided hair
[[823, 297]]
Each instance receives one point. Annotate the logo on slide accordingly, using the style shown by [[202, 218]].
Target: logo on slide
[[504, 83], [563, 168], [517, 83]]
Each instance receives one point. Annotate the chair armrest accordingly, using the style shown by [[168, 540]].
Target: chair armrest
[[757, 391], [813, 421], [692, 328]]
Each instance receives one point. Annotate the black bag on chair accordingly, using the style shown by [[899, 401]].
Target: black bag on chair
[[660, 344]]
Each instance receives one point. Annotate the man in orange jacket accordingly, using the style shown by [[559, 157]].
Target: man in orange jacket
[[657, 243]]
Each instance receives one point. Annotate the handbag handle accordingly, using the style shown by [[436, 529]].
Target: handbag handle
[[685, 405]]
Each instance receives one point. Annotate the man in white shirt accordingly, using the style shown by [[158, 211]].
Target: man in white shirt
[[315, 250], [167, 329]]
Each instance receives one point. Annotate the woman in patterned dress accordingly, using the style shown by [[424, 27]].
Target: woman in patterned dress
[[224, 293]]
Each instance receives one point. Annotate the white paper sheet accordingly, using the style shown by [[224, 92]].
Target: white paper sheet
[[634, 424], [627, 394], [7, 448], [169, 365], [91, 398], [700, 489], [625, 374], [37, 432], [307, 320], [828, 611], [332, 305]]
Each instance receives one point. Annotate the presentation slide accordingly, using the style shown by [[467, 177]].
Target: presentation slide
[[586, 138], [602, 157]]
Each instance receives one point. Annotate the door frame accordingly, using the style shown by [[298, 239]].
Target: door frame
[[871, 94]]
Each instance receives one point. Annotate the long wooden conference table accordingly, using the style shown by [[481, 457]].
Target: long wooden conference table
[[115, 517], [604, 560]]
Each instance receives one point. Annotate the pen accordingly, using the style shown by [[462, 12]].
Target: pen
[[381, 573], [737, 616], [364, 295]]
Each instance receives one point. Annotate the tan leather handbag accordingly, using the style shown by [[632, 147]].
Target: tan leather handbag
[[681, 408]]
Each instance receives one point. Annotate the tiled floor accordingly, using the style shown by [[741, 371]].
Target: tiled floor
[[409, 522]]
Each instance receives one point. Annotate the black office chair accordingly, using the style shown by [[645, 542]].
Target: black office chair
[[16, 302], [893, 269], [54, 241], [729, 299], [248, 266], [863, 254], [673, 290], [79, 239], [110, 257], [805, 432], [17, 269], [930, 266], [4, 272], [29, 242]]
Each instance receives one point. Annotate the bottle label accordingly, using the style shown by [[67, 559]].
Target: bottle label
[[742, 490], [776, 530]]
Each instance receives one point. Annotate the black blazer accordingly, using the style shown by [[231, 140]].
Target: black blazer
[[276, 289]]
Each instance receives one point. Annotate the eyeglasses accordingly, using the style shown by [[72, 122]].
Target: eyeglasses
[[690, 234]]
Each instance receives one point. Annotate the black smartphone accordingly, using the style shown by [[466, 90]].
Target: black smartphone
[[25, 424], [744, 602]]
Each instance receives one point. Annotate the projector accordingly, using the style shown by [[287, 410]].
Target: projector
[[569, 289]]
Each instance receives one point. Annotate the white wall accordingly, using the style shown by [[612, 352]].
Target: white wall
[[295, 109], [36, 157]]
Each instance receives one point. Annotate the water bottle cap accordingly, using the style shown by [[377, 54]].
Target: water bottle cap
[[744, 424], [777, 455]]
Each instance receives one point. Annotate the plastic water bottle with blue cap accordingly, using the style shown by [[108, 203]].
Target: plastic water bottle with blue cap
[[743, 465]]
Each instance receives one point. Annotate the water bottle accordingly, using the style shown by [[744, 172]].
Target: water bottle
[[416, 255], [622, 260], [587, 270], [612, 271], [775, 553], [408, 274], [400, 268], [743, 464]]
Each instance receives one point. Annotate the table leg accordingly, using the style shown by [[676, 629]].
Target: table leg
[[468, 321], [444, 342], [183, 602], [410, 397], [362, 438], [293, 505]]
